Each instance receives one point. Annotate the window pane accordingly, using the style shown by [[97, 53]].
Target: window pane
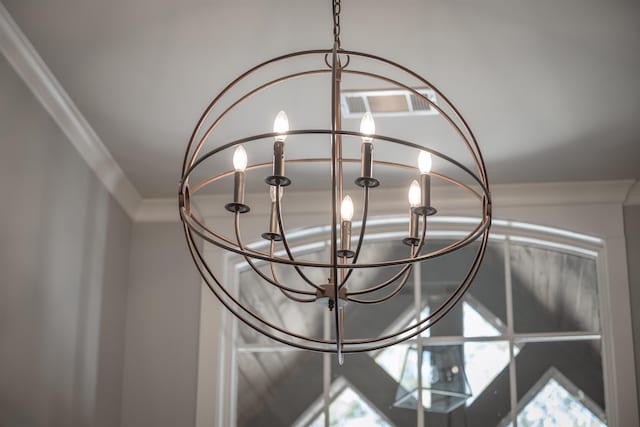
[[463, 385], [486, 295], [553, 291], [558, 407], [484, 361], [349, 409], [563, 381], [276, 388], [375, 386]]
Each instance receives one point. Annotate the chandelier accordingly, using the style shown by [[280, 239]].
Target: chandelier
[[259, 168]]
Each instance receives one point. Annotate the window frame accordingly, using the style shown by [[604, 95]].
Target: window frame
[[609, 247]]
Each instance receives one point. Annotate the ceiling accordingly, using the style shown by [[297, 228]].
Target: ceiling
[[551, 89]]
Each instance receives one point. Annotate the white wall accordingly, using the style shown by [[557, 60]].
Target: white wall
[[64, 251], [163, 314]]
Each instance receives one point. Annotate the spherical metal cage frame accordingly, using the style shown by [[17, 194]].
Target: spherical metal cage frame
[[195, 157]]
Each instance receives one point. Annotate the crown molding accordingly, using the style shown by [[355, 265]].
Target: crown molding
[[504, 195], [561, 193], [26, 61]]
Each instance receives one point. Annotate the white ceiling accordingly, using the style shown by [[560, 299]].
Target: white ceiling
[[551, 89]]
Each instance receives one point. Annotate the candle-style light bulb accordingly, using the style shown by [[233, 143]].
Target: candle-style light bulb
[[414, 194], [424, 162], [239, 164], [346, 210], [414, 202], [281, 125], [367, 126], [240, 159]]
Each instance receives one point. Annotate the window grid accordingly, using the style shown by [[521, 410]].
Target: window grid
[[514, 339]]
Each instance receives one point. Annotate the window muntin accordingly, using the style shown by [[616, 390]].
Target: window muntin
[[500, 310]]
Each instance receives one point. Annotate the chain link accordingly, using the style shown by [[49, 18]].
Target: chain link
[[336, 22]]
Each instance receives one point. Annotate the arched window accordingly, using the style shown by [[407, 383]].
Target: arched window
[[526, 338]]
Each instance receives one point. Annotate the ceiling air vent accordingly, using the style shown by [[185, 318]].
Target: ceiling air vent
[[386, 102]]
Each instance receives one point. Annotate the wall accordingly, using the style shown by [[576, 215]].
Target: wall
[[632, 233], [63, 269], [163, 313]]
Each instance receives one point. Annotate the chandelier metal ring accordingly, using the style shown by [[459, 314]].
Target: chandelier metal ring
[[343, 261], [232, 304]]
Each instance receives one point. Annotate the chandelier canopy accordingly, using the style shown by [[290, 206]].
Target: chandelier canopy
[[261, 162]]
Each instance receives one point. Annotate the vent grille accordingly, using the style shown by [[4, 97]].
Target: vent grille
[[356, 104], [419, 104], [385, 102]]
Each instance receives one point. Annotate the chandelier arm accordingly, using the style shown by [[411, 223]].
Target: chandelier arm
[[362, 342], [432, 318], [274, 282], [384, 284], [423, 237], [448, 118], [200, 263], [398, 288], [471, 237], [276, 279], [231, 85], [399, 273], [363, 226], [451, 300], [428, 321], [285, 243], [415, 250]]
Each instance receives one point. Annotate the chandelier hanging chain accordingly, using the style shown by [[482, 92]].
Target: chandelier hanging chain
[[336, 22]]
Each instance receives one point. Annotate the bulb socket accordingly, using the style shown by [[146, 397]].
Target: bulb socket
[[412, 240], [425, 207], [345, 241], [238, 195], [366, 167], [274, 227]]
